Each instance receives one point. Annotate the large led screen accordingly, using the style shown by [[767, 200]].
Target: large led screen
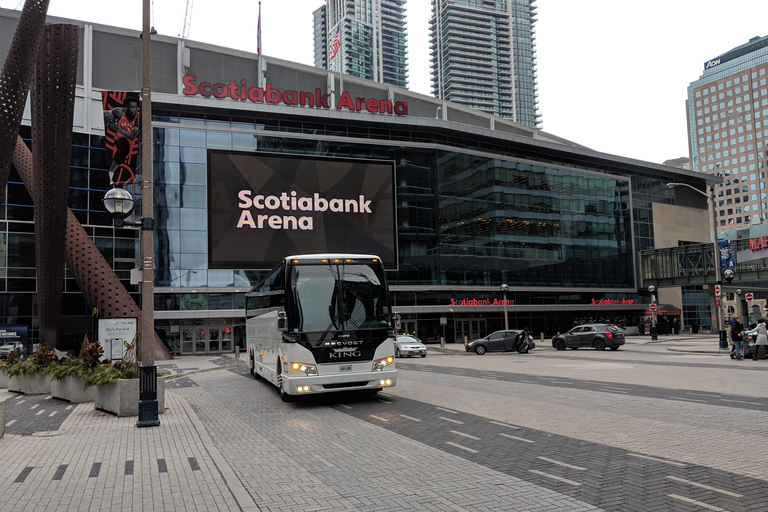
[[263, 207]]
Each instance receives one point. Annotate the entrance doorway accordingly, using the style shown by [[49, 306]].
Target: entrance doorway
[[214, 337], [409, 327], [472, 328]]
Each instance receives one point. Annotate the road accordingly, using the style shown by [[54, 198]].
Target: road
[[637, 429]]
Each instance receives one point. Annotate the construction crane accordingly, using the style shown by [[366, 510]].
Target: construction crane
[[187, 20]]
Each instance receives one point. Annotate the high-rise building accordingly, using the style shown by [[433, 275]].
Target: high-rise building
[[728, 131], [483, 56], [371, 39]]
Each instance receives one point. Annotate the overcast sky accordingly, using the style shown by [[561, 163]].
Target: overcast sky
[[612, 74]]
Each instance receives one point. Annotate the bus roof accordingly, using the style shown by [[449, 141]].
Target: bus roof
[[331, 255]]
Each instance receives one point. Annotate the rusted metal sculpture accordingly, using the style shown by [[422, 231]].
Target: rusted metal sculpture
[[15, 79], [92, 273], [53, 107]]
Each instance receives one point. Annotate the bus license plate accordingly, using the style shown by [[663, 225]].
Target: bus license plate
[[345, 368]]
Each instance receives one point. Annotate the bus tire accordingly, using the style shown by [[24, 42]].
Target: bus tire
[[285, 397]]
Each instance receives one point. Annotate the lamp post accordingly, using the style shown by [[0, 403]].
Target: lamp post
[[504, 289], [654, 331], [715, 254]]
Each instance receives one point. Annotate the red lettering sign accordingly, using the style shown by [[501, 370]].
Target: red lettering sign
[[241, 91]]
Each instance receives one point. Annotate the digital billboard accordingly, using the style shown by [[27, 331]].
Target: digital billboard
[[263, 207]]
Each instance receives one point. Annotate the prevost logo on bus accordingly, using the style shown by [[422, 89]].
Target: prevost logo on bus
[[317, 99], [335, 351]]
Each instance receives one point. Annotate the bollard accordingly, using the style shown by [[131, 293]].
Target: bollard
[[442, 342], [237, 351], [465, 341]]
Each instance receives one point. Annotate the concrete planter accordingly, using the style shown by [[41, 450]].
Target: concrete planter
[[122, 397], [2, 416], [3, 379], [73, 390], [38, 384]]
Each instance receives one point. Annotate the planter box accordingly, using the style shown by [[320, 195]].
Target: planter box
[[2, 416], [3, 379], [73, 390], [122, 397], [30, 384]]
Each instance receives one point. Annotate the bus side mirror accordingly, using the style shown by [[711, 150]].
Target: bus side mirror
[[281, 321]]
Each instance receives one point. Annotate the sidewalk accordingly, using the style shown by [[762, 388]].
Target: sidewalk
[[62, 456]]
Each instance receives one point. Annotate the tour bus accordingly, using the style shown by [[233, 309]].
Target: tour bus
[[321, 323]]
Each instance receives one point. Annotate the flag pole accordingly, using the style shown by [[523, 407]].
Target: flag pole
[[258, 49], [341, 57]]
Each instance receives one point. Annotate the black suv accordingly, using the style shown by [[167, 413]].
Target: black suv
[[598, 336]]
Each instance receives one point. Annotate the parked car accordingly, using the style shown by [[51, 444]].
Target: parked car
[[598, 336], [8, 346], [499, 341], [409, 346]]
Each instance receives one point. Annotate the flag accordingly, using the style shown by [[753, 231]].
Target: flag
[[336, 43], [730, 222], [258, 34]]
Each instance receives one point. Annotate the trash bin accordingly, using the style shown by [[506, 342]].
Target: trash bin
[[723, 340], [695, 329]]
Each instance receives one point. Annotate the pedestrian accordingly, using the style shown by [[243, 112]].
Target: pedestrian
[[761, 342], [641, 326], [729, 335], [676, 326], [737, 332]]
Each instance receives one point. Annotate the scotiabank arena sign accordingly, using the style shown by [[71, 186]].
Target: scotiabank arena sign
[[242, 92]]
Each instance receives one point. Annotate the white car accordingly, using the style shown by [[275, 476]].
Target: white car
[[409, 346], [8, 346]]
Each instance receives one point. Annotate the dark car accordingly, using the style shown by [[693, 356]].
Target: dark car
[[499, 341], [598, 336]]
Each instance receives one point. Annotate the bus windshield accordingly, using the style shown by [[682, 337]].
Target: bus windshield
[[338, 297]]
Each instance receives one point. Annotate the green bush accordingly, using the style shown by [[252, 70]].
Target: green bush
[[108, 374], [40, 363]]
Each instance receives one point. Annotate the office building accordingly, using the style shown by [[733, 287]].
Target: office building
[[484, 56], [727, 115], [371, 38]]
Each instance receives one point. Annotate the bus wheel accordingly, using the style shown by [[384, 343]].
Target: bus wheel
[[285, 397]]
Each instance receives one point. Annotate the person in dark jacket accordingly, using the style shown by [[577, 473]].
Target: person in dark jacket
[[737, 333]]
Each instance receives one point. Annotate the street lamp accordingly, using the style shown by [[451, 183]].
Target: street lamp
[[465, 273], [716, 254], [504, 289], [654, 331]]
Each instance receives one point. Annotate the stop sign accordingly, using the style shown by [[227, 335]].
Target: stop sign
[[749, 297], [652, 307]]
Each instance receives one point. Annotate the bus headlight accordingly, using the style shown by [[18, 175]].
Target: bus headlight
[[380, 364], [308, 369]]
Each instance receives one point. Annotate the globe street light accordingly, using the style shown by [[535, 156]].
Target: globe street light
[[716, 254], [504, 289]]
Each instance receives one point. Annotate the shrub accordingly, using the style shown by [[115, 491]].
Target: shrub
[[41, 362], [108, 374]]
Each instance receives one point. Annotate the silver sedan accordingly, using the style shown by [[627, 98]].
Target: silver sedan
[[409, 346]]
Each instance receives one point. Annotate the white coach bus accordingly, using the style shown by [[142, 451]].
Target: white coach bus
[[321, 323]]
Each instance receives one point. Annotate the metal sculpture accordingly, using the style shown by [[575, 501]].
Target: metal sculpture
[[53, 107], [15, 79]]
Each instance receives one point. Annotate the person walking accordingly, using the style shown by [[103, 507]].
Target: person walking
[[737, 333], [761, 342]]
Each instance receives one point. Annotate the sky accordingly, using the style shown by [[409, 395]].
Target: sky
[[612, 75]]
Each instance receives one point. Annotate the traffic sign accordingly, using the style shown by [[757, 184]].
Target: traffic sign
[[749, 297], [717, 290], [717, 301], [652, 307]]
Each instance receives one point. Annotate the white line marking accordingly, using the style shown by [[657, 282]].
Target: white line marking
[[462, 447], [553, 477], [688, 399], [613, 391], [619, 389], [697, 503], [34, 406], [409, 418], [378, 418], [41, 411], [657, 460], [516, 438], [740, 401], [553, 461], [68, 407], [447, 410], [463, 434], [385, 401], [452, 421], [709, 488], [52, 414], [48, 398], [345, 406], [504, 425], [527, 381], [10, 423]]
